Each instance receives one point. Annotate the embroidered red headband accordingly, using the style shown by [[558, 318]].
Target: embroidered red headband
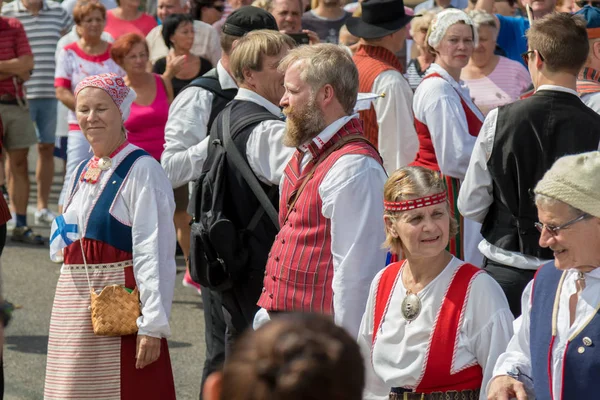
[[415, 203]]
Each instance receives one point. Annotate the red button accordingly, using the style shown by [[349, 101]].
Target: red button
[[271, 296], [273, 277]]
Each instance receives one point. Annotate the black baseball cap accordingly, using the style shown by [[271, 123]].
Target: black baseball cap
[[248, 18]]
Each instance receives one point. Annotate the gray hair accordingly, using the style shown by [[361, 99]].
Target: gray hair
[[323, 64], [547, 201], [482, 18]]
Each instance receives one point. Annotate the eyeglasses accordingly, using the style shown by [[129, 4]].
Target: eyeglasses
[[582, 4], [553, 230], [525, 56]]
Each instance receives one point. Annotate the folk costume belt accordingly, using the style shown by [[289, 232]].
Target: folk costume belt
[[405, 394]]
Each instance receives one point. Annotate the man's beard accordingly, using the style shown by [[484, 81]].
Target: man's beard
[[303, 124]]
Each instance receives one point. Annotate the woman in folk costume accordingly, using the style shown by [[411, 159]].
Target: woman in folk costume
[[434, 325], [446, 119], [121, 202]]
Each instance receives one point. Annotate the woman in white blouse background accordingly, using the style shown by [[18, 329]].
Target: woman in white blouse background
[[432, 323], [446, 120]]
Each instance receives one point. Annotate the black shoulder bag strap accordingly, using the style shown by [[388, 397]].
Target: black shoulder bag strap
[[235, 156], [210, 81]]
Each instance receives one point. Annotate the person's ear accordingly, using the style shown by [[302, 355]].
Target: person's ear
[[596, 49], [538, 60], [389, 226], [212, 386]]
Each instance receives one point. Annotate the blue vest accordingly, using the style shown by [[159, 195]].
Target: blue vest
[[581, 363], [101, 225]]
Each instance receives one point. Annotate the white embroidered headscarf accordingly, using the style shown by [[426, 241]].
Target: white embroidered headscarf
[[444, 20]]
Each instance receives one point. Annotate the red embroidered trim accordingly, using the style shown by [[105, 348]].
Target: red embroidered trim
[[415, 203], [93, 164]]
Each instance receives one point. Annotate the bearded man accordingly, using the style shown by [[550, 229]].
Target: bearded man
[[331, 204]]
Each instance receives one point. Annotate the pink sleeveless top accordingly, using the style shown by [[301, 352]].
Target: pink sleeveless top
[[146, 124]]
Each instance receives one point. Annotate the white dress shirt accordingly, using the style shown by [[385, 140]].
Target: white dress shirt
[[476, 192], [400, 352], [438, 105], [397, 139], [518, 354], [185, 131], [592, 100], [352, 196], [145, 203], [206, 43], [266, 154]]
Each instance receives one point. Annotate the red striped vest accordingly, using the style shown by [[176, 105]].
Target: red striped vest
[[299, 269], [426, 155], [370, 62], [588, 81]]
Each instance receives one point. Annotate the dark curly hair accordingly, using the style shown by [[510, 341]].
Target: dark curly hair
[[295, 357]]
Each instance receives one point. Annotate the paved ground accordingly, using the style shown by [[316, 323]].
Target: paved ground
[[29, 279]]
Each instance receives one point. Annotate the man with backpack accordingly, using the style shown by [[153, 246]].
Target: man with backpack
[[190, 119], [235, 219]]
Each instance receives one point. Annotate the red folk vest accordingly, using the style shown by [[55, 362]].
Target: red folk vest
[[438, 376], [426, 155], [371, 61], [588, 81], [299, 269]]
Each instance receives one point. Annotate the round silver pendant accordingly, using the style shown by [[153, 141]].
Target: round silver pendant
[[104, 163], [411, 306]]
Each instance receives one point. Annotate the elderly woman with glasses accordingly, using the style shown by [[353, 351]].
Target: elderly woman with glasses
[[554, 352]]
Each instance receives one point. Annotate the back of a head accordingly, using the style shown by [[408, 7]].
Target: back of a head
[[561, 39], [294, 357]]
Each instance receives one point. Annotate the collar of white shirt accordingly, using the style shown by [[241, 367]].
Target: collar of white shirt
[[460, 86], [249, 95], [327, 133], [225, 80], [595, 273], [558, 89]]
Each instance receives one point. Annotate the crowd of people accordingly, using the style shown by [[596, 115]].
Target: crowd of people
[[373, 202]]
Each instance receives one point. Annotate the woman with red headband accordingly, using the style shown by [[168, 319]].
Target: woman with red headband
[[433, 323]]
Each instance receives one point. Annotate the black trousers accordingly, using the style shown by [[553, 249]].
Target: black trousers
[[2, 243], [214, 333], [512, 281]]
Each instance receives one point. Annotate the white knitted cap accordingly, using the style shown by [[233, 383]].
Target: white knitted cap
[[444, 20], [574, 180]]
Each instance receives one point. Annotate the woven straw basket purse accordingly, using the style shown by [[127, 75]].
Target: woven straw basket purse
[[114, 310]]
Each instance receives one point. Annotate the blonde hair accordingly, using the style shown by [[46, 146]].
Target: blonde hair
[[323, 64], [249, 51], [421, 20], [409, 183]]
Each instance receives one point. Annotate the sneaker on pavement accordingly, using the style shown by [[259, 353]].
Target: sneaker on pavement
[[189, 283], [24, 234], [44, 217]]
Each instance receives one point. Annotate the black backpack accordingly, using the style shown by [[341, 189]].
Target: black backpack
[[218, 250]]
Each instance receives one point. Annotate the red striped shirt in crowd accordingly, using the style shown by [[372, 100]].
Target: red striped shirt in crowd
[[299, 271], [13, 44]]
